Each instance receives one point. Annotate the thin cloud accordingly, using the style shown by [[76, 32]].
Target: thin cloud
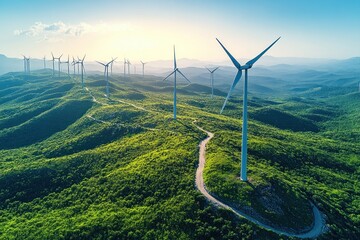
[[60, 29], [57, 28]]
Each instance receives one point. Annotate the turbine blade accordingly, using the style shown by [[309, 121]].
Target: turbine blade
[[52, 54], [236, 80], [83, 58], [169, 75], [111, 61], [208, 69], [174, 59], [252, 61], [101, 63], [215, 69], [182, 75], [234, 61]]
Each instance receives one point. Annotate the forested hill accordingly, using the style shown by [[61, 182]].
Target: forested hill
[[76, 165]]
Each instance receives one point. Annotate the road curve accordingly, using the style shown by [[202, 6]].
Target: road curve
[[319, 222]]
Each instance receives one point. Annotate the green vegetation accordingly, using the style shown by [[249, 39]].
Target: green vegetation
[[72, 168]]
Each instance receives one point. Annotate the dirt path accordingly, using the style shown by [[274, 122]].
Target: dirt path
[[319, 222]]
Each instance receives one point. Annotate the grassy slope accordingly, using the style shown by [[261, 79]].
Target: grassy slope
[[132, 175]]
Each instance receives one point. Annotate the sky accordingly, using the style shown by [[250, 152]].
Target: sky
[[147, 29]]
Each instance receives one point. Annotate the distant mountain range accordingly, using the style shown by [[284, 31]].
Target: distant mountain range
[[269, 73]]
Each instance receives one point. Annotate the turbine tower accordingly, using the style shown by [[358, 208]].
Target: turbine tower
[[246, 67], [143, 67], [106, 74], [176, 69], [78, 68], [59, 61], [111, 65], [128, 63], [125, 62], [25, 64], [74, 63], [68, 66], [53, 61], [28, 64], [44, 62], [212, 79], [81, 62]]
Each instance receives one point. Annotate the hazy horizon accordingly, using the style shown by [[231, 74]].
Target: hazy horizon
[[147, 30]]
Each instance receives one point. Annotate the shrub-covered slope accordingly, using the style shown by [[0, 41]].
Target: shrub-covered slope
[[75, 165]]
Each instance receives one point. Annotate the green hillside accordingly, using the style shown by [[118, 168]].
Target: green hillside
[[75, 165]]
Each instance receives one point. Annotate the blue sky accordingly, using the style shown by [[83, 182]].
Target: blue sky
[[148, 29]]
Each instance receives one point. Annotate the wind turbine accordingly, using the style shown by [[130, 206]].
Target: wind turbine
[[143, 67], [106, 74], [25, 64], [53, 61], [246, 67], [111, 65], [81, 62], [74, 63], [68, 67], [125, 62], [212, 79], [176, 69], [59, 61], [44, 62], [128, 63]]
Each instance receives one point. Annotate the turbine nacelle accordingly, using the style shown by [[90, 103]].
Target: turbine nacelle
[[246, 66]]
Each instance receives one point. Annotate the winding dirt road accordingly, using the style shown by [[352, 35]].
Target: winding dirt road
[[315, 231], [319, 222]]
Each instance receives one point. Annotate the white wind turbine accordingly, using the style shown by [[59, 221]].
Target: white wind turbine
[[74, 64], [111, 65], [125, 62], [81, 62], [143, 68], [106, 74], [246, 67], [53, 63], [212, 79], [176, 69], [128, 64], [68, 66], [59, 61], [25, 64]]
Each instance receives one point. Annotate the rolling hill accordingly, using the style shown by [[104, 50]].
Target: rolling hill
[[76, 165]]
